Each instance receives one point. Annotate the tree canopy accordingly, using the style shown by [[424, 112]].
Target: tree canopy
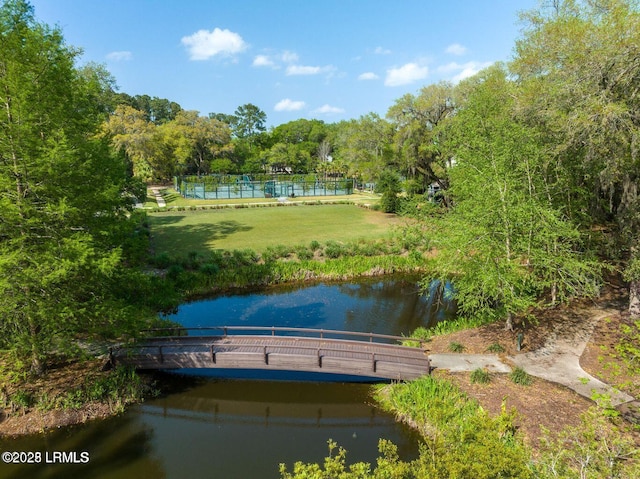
[[64, 197]]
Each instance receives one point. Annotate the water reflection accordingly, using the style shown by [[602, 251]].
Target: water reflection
[[242, 429], [386, 307], [246, 428], [120, 447], [227, 429]]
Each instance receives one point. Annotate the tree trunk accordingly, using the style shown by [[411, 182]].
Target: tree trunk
[[634, 299], [509, 324], [37, 366]]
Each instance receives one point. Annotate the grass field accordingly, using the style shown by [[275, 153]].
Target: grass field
[[182, 232]]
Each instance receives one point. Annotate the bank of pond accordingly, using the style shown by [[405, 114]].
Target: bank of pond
[[278, 425], [207, 424]]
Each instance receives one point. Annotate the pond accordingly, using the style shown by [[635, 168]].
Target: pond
[[240, 428]]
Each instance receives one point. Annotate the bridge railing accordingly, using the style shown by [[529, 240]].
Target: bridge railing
[[278, 330]]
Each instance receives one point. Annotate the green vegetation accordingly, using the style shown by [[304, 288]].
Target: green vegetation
[[460, 439], [115, 388], [521, 185], [67, 233], [180, 232], [594, 449], [481, 376], [520, 376], [496, 348], [456, 347], [219, 270]]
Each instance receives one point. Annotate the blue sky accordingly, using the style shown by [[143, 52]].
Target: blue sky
[[325, 59]]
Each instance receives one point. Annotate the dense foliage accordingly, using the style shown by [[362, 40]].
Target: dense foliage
[[65, 198]]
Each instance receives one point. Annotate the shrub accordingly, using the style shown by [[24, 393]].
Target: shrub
[[455, 347], [333, 250], [521, 377], [175, 270], [481, 376], [210, 269], [162, 261], [303, 253], [22, 399], [496, 348]]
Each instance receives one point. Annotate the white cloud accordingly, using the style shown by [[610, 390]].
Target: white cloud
[[461, 71], [204, 44], [263, 61], [456, 49], [120, 56], [275, 60], [289, 105], [289, 57], [303, 70], [382, 51], [368, 76], [406, 74], [328, 109]]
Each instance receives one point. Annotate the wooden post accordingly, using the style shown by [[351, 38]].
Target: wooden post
[[373, 360], [161, 355], [319, 359], [266, 356], [213, 354]]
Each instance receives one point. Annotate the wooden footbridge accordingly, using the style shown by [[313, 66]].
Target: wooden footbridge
[[367, 355]]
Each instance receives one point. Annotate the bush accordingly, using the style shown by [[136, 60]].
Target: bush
[[175, 270], [455, 347], [521, 377], [496, 348], [333, 250], [481, 376], [163, 260], [22, 399], [303, 253]]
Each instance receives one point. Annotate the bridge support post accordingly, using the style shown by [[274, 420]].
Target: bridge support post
[[213, 354], [266, 355], [319, 359], [373, 361]]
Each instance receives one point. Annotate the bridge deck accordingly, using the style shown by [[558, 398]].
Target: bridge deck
[[290, 353]]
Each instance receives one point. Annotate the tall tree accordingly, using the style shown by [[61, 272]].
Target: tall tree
[[364, 146], [138, 139], [419, 140], [578, 63], [200, 139], [64, 199], [504, 243], [250, 121]]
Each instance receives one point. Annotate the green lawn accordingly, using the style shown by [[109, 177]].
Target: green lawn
[[181, 232]]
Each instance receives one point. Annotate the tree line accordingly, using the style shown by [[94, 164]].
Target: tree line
[[536, 161]]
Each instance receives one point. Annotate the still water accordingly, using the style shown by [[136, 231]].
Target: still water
[[243, 428]]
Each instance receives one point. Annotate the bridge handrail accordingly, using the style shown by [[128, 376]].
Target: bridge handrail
[[211, 348], [280, 329]]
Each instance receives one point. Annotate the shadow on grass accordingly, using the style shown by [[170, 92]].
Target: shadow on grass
[[169, 236]]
